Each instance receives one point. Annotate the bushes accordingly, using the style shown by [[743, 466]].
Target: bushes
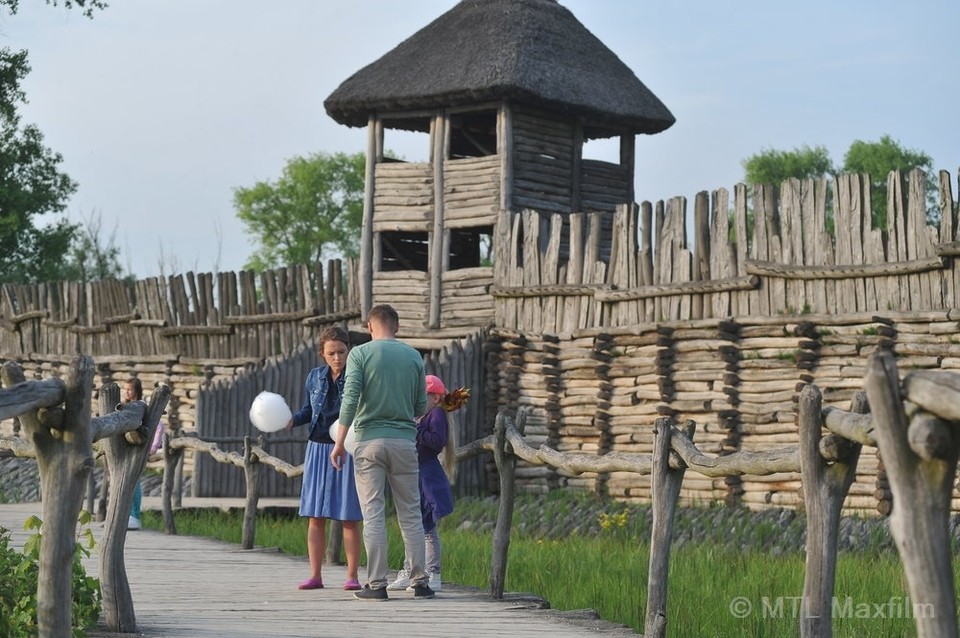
[[18, 590]]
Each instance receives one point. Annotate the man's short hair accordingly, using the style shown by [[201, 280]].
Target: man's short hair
[[384, 314]]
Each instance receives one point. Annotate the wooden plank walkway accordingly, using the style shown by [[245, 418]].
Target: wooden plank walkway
[[193, 587]]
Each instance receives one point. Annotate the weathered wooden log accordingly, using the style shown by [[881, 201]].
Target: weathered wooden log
[[666, 483], [935, 391], [789, 271], [251, 473], [171, 458], [27, 396], [921, 490], [126, 459], [64, 463], [506, 466], [825, 487], [849, 425]]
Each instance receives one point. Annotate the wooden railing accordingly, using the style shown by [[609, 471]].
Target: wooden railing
[[913, 422], [60, 434]]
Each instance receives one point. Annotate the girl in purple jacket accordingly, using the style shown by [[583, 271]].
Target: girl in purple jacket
[[435, 435]]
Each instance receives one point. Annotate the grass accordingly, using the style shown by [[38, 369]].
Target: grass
[[732, 573]]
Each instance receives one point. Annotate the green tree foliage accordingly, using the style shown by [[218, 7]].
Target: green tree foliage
[[31, 185], [315, 207], [877, 159], [771, 166], [87, 7]]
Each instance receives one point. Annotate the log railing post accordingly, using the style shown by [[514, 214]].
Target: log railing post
[[64, 450], [251, 471], [506, 467], [666, 484], [126, 457], [824, 489], [921, 462], [171, 458]]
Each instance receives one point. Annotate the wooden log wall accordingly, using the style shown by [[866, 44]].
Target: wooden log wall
[[223, 412], [600, 390], [603, 185], [544, 160], [463, 363], [465, 298], [806, 247], [403, 196], [471, 191], [220, 316]]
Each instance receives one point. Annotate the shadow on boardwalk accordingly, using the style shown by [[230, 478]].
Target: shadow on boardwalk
[[193, 587]]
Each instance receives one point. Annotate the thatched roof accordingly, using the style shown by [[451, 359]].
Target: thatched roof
[[531, 52]]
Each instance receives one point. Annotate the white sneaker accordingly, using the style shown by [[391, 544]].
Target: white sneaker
[[402, 581], [133, 523]]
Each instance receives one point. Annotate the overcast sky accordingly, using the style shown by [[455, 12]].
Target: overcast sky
[[160, 109]]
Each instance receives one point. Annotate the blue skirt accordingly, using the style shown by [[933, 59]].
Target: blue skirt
[[328, 492]]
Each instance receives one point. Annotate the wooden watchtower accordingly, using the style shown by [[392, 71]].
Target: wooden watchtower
[[508, 91]]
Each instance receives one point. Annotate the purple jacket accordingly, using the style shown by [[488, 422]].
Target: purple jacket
[[436, 497]]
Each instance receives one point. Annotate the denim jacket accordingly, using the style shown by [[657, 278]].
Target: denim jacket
[[316, 389]]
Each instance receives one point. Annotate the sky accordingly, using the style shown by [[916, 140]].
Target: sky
[[161, 109]]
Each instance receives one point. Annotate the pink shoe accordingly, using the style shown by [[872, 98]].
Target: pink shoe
[[311, 583], [352, 585]]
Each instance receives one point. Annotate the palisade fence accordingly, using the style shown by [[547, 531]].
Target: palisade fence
[[183, 330], [604, 321], [223, 407], [806, 248], [193, 317], [726, 332]]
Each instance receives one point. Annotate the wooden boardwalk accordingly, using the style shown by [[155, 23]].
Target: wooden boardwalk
[[193, 587]]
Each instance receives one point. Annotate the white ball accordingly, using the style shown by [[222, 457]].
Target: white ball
[[270, 412], [350, 442]]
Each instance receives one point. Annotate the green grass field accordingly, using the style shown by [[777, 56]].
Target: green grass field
[[735, 579]]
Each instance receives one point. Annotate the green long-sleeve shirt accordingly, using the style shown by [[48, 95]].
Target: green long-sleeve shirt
[[384, 391]]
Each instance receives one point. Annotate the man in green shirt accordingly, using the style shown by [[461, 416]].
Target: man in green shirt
[[384, 392]]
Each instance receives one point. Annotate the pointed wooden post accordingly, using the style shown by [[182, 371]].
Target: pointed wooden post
[[921, 462], [666, 493], [825, 487]]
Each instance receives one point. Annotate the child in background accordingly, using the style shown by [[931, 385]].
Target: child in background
[[436, 435], [133, 391]]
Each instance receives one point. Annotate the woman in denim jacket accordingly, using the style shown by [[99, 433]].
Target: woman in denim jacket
[[327, 493]]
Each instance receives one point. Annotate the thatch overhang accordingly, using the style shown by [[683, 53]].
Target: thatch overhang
[[532, 52]]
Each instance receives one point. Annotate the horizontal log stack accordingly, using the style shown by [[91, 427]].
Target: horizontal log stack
[[738, 380]]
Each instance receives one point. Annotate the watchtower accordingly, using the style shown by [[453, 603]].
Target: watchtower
[[508, 91]]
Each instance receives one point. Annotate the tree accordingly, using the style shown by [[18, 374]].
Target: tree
[[771, 166], [88, 6], [92, 256], [877, 159], [31, 185], [316, 206]]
